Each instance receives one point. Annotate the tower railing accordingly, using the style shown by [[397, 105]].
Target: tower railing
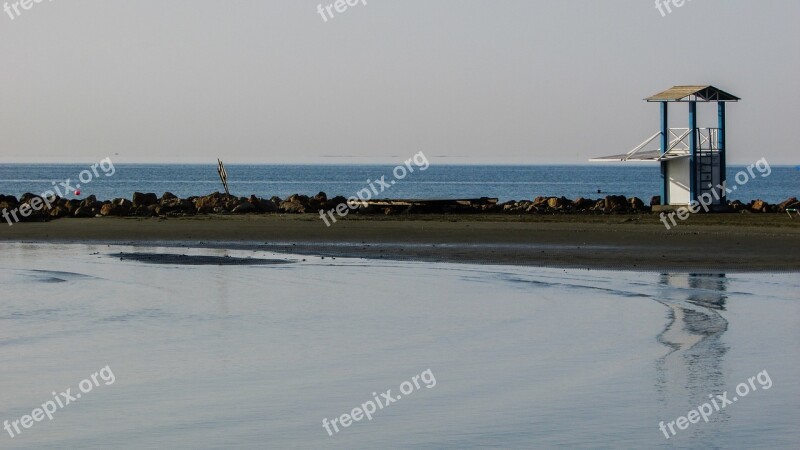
[[679, 140]]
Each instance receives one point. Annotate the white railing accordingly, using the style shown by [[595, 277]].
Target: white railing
[[708, 140]]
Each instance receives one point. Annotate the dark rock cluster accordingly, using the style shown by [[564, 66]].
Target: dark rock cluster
[[169, 205], [549, 205], [760, 206]]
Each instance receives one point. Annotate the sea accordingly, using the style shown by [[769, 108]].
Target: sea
[[436, 182], [174, 356]]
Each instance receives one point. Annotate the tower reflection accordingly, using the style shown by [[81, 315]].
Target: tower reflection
[[693, 367]]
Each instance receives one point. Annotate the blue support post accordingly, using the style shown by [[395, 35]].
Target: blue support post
[[721, 145], [664, 146], [692, 151]]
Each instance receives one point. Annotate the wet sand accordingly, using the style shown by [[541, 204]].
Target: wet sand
[[254, 342], [704, 243], [195, 260]]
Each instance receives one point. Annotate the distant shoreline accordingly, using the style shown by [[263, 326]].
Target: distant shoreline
[[712, 243]]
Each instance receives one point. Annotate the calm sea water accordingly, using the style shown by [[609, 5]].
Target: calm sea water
[[255, 357], [439, 181]]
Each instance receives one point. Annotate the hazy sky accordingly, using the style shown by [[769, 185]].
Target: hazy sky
[[472, 81]]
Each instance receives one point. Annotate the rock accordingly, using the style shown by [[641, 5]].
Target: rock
[[144, 211], [232, 202], [54, 202], [34, 206], [511, 207], [655, 200], [292, 207], [371, 209], [57, 212], [140, 199], [759, 206], [245, 208], [583, 204], [332, 203], [36, 203], [318, 202], [261, 205], [636, 203], [540, 202], [616, 203], [8, 202], [122, 207], [168, 196], [83, 212], [110, 209], [736, 205], [486, 204], [205, 205], [268, 206], [73, 205], [557, 203], [296, 204], [91, 203], [27, 197], [788, 203], [175, 205], [297, 198]]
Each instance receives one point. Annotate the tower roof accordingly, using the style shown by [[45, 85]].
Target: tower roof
[[705, 93]]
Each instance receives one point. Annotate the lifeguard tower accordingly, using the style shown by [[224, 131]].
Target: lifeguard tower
[[692, 159]]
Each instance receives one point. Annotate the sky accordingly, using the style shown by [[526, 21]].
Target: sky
[[465, 81]]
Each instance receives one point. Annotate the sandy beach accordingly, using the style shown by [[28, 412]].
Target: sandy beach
[[704, 243]]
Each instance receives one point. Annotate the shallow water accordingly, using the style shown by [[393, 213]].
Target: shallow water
[[257, 356]]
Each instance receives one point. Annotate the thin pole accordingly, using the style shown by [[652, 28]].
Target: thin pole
[[664, 145], [723, 177], [223, 176], [692, 151]]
